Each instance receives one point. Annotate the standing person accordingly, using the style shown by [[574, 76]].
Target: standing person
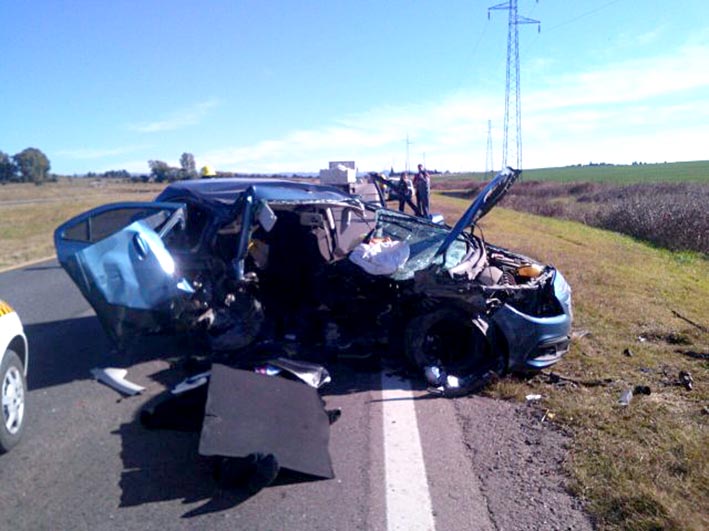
[[422, 183], [405, 191]]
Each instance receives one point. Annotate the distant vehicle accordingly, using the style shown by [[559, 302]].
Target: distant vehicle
[[243, 259], [13, 373]]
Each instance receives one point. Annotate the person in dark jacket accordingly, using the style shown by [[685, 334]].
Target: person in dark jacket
[[422, 183], [405, 191]]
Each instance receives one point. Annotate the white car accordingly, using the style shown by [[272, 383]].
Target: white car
[[13, 373]]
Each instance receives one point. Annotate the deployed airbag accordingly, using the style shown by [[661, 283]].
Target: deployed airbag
[[381, 257]]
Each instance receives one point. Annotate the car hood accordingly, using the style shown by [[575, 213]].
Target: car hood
[[493, 192]]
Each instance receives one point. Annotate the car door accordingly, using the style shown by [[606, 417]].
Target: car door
[[117, 256]]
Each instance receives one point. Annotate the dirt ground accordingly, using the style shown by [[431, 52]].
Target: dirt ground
[[519, 461]]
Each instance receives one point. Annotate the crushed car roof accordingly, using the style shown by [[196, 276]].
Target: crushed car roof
[[227, 190]]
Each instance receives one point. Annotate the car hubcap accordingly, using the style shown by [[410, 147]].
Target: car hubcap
[[13, 400]]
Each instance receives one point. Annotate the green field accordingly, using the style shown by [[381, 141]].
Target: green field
[[695, 171]]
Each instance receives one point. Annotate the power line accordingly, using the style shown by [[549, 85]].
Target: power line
[[582, 15]]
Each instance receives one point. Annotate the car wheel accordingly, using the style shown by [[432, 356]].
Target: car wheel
[[449, 339], [13, 390]]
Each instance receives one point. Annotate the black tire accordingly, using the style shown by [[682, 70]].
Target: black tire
[[13, 388], [449, 339]]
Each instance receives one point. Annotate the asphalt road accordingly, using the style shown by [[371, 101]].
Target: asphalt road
[[401, 460]]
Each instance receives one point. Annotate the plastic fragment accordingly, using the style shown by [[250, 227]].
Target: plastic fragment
[[116, 379], [434, 375], [578, 334], [625, 397], [191, 383], [455, 386], [533, 398], [267, 370]]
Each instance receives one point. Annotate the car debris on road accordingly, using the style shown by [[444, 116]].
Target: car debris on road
[[253, 423]]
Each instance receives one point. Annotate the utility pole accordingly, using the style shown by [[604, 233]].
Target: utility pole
[[408, 143], [489, 163], [512, 81]]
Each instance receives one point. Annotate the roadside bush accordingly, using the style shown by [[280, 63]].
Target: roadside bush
[[540, 205], [671, 220], [671, 215]]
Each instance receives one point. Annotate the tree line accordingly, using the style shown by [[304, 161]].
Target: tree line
[[31, 165], [28, 166], [162, 171]]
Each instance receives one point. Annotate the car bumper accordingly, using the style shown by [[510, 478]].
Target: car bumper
[[535, 343]]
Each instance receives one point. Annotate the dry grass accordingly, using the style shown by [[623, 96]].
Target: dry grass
[[644, 466], [29, 214]]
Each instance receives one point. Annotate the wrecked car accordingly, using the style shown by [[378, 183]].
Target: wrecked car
[[240, 260]]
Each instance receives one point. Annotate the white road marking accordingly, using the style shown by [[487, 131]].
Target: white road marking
[[408, 501]]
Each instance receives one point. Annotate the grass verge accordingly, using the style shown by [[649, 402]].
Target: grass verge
[[29, 214], [643, 466]]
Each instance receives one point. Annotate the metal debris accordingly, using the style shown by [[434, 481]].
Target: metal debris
[[555, 378], [693, 323]]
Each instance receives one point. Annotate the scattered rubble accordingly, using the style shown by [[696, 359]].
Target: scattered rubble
[[685, 379], [555, 378], [694, 354], [642, 390], [625, 397]]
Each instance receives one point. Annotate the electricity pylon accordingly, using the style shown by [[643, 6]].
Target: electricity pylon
[[512, 81]]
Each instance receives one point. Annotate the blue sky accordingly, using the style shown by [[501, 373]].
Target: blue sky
[[258, 86]]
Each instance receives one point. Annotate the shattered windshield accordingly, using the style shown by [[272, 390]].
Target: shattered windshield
[[423, 239]]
